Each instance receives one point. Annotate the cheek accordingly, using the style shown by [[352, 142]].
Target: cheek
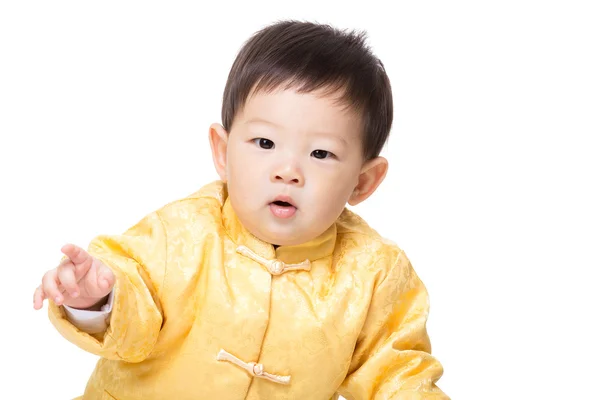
[[336, 182], [246, 177], [332, 194], [237, 163], [244, 159]]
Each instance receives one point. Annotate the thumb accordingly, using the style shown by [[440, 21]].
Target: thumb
[[105, 278]]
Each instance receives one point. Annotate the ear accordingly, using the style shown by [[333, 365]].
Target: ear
[[371, 176], [217, 135]]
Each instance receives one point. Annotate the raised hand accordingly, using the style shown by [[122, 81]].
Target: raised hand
[[80, 281]]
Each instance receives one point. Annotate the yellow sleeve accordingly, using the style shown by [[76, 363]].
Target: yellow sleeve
[[392, 358], [138, 260]]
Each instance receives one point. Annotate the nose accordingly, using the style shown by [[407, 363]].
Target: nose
[[289, 174]]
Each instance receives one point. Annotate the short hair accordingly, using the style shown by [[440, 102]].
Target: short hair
[[312, 56]]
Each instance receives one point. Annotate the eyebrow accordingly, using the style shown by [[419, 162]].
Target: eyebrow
[[316, 133], [261, 121]]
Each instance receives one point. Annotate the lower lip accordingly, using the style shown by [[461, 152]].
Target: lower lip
[[282, 212]]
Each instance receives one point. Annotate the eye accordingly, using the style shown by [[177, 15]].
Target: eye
[[322, 154], [264, 143]]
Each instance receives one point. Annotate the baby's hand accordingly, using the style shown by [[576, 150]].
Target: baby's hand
[[79, 281]]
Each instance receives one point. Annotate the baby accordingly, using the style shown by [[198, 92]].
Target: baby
[[262, 285]]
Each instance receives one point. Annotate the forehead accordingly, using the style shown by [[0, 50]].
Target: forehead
[[317, 111]]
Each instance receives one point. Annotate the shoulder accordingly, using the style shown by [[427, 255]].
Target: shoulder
[[373, 255], [359, 241], [207, 200], [195, 214]]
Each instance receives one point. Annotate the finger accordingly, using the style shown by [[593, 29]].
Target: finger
[[80, 258], [50, 287], [105, 278], [65, 260], [66, 277], [38, 298]]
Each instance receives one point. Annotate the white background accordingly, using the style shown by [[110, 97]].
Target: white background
[[493, 189]]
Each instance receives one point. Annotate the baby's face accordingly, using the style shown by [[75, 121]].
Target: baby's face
[[293, 161]]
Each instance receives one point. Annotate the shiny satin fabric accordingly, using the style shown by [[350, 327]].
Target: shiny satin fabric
[[195, 317]]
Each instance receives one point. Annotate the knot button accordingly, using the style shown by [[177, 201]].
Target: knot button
[[276, 267], [258, 369]]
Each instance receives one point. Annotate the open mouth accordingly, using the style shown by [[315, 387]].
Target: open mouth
[[283, 207], [282, 203]]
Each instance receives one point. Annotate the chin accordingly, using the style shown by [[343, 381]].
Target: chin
[[280, 242], [283, 239]]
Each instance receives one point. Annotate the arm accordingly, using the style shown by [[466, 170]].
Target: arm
[[138, 260], [392, 357]]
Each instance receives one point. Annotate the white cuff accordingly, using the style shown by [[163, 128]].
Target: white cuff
[[91, 321]]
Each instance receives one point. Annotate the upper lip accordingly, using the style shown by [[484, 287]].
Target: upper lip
[[286, 199]]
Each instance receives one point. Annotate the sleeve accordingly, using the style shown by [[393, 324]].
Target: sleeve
[[392, 358], [91, 321], [138, 260]]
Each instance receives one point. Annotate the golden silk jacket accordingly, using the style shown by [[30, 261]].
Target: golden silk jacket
[[205, 310]]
